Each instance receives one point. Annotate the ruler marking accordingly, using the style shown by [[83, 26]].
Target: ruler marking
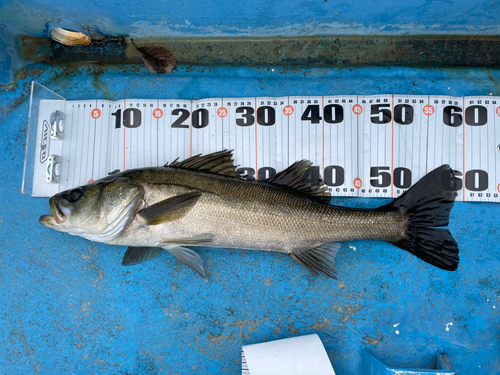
[[109, 139], [297, 139], [358, 191], [323, 135], [74, 146], [488, 153], [256, 149], [82, 147], [191, 132], [124, 133], [144, 133], [157, 135], [392, 150], [93, 149], [463, 146], [495, 190], [77, 143], [427, 137]]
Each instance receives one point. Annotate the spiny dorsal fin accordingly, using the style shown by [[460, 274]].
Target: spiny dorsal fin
[[295, 177], [220, 162]]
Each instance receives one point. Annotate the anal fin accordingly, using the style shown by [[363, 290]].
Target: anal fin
[[320, 259], [189, 257]]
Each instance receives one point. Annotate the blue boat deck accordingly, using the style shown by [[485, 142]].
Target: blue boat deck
[[69, 307]]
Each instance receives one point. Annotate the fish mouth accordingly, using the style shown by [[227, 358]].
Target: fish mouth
[[59, 214]]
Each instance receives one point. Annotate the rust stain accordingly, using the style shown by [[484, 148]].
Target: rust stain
[[268, 281], [293, 330], [320, 325], [410, 50], [373, 341], [219, 337]]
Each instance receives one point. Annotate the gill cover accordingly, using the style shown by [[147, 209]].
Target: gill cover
[[99, 211]]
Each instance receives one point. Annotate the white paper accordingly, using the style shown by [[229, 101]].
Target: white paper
[[302, 355]]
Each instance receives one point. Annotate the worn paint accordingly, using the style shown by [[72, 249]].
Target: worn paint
[[69, 307], [371, 365], [351, 51], [10, 60], [257, 19]]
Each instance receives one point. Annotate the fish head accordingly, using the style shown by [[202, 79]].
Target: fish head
[[98, 211]]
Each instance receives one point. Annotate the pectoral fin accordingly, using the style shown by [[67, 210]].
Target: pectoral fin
[[320, 259], [138, 255], [189, 258], [170, 209]]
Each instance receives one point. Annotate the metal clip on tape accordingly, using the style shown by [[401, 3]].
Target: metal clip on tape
[[53, 168], [56, 125]]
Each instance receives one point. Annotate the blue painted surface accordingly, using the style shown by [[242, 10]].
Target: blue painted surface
[[153, 18], [69, 307], [373, 366], [10, 61], [192, 18]]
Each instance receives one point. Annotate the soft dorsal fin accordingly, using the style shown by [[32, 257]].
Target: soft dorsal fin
[[220, 162], [295, 177]]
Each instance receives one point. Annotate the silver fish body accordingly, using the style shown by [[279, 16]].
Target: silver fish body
[[251, 215], [203, 202]]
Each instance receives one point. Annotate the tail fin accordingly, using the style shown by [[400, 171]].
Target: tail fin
[[428, 204]]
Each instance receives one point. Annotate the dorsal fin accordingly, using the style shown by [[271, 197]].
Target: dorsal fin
[[220, 162], [295, 177]]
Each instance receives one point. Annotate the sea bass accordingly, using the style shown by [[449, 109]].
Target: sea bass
[[203, 201]]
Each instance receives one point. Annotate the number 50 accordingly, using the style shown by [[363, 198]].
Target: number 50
[[381, 177]]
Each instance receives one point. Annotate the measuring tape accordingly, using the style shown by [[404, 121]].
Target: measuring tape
[[361, 146]]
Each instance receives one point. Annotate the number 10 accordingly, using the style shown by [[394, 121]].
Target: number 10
[[132, 118]]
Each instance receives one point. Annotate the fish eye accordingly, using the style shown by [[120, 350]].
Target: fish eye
[[74, 195]]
